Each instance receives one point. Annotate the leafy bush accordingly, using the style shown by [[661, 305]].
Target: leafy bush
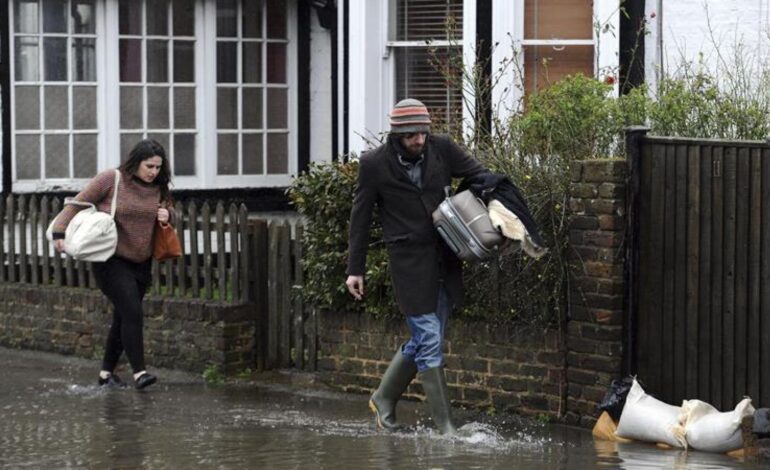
[[573, 119], [324, 196]]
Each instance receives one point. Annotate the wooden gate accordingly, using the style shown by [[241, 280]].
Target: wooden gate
[[700, 269]]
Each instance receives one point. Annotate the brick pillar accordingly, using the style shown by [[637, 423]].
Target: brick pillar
[[595, 314]]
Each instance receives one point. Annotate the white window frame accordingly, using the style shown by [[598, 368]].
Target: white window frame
[[468, 54], [108, 100], [371, 82], [170, 85], [209, 127], [29, 185], [508, 23]]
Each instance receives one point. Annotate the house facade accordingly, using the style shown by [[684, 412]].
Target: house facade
[[245, 93]]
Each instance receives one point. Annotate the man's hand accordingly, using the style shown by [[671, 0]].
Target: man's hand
[[59, 244], [356, 286]]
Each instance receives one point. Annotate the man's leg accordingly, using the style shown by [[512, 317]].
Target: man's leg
[[394, 382], [426, 346]]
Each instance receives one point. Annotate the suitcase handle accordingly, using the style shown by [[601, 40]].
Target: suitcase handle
[[448, 191]]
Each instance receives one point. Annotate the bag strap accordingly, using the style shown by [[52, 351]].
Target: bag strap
[[115, 194], [75, 202]]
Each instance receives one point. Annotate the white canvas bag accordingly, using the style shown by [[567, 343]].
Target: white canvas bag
[[91, 234]]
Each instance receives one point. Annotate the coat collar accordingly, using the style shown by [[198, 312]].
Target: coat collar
[[429, 164]]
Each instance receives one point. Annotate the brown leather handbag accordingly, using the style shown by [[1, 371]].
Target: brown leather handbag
[[165, 244]]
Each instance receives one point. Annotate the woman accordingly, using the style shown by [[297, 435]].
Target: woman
[[143, 199]]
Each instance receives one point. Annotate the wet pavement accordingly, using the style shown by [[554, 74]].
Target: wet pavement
[[52, 415]]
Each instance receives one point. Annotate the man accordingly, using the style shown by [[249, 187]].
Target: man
[[405, 178]]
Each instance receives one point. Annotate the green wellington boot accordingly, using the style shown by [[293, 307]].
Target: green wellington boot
[[397, 377], [437, 394]]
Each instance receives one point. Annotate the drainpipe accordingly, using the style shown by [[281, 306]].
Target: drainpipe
[[659, 46]]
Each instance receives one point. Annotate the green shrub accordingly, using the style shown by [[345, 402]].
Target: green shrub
[[575, 119], [324, 196]]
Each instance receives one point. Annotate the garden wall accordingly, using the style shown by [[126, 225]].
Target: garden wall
[[562, 372], [184, 334]]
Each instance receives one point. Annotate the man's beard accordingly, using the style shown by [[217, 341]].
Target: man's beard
[[414, 150]]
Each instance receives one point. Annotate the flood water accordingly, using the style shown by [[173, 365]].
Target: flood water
[[52, 415]]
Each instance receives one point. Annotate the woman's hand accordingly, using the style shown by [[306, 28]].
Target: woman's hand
[[59, 245], [162, 214]]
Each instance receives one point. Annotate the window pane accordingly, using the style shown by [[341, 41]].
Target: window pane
[[416, 77], [558, 19], [25, 16], [157, 61], [157, 107], [277, 154], [127, 142], [226, 18], [276, 63], [277, 108], [54, 16], [130, 107], [57, 156], [55, 54], [429, 19], [184, 108], [84, 154], [26, 60], [276, 19], [568, 61], [130, 17], [252, 154], [227, 66], [83, 60], [162, 138], [27, 107], [184, 17], [184, 61], [252, 108], [56, 107], [227, 154], [82, 17], [130, 60], [252, 62], [252, 19], [184, 154], [227, 108], [157, 17], [28, 157], [84, 107]]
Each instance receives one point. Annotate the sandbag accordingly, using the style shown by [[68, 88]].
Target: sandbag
[[605, 428], [647, 419], [709, 430]]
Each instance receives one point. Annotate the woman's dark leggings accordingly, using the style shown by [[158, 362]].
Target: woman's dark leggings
[[124, 283]]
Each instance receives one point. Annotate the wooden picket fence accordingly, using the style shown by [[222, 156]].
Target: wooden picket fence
[[228, 257]]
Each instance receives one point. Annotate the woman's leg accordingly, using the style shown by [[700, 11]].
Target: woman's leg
[[124, 284]]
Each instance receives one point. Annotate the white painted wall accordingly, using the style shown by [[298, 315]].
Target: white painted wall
[[320, 91], [683, 29]]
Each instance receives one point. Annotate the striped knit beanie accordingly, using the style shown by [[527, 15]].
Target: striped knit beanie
[[409, 115]]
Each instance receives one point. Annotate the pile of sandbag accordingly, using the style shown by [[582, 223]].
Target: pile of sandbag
[[695, 424]]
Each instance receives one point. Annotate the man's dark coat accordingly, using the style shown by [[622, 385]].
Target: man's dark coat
[[419, 259]]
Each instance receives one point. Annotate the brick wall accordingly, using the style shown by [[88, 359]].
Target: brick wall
[[512, 369], [181, 334], [595, 322]]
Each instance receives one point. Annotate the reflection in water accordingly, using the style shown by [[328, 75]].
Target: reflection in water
[[51, 416]]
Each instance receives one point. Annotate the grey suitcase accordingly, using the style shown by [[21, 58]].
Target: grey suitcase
[[463, 222]]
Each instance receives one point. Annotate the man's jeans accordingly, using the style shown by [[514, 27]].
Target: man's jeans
[[425, 345]]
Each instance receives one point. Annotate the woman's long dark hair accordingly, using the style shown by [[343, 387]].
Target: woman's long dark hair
[[143, 150]]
